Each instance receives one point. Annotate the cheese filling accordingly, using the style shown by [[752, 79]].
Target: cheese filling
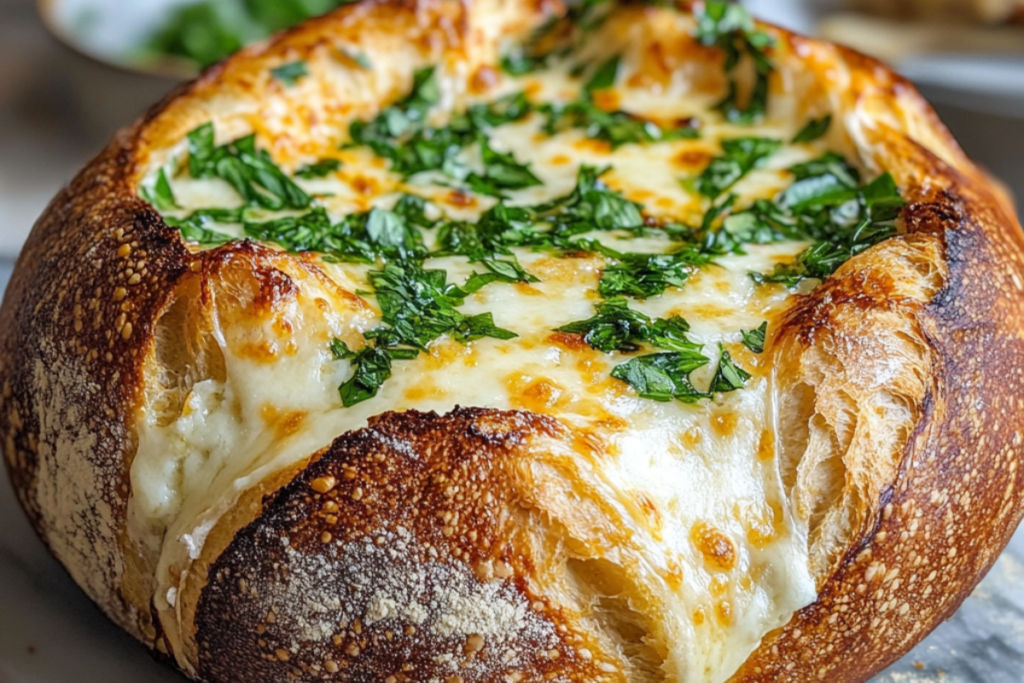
[[705, 470]]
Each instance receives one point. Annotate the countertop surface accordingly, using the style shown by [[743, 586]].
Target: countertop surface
[[56, 110]]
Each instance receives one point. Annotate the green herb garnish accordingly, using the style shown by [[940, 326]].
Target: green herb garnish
[[739, 157], [730, 27], [754, 339], [400, 134], [250, 171], [663, 376], [417, 307], [320, 169], [728, 376], [615, 127], [813, 129], [161, 196], [290, 74], [840, 220], [643, 276]]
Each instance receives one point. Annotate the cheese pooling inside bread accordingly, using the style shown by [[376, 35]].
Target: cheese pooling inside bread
[[583, 246]]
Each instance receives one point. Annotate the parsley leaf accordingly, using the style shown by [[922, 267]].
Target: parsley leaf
[[814, 129], [250, 171], [199, 226], [320, 169], [739, 157], [663, 376], [501, 172], [842, 222], [604, 76], [730, 27], [555, 38], [362, 237], [290, 74], [615, 327], [643, 276], [400, 134], [417, 307], [754, 339], [614, 127], [161, 196], [372, 368], [728, 376]]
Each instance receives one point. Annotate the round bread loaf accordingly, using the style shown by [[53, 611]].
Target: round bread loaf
[[510, 341]]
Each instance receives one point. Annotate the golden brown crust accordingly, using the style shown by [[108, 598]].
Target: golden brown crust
[[101, 267], [372, 562], [942, 522]]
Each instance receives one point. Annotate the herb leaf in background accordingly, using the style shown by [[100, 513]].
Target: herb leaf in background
[[400, 134], [206, 32], [291, 73], [730, 27], [813, 129], [320, 169]]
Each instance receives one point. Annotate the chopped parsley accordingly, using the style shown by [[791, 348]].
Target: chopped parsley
[[754, 339], [360, 237], [501, 172], [556, 38], [400, 134], [200, 228], [662, 376], [642, 276], [614, 127], [838, 217], [291, 73], [359, 57], [813, 129], [739, 157], [615, 327], [320, 169], [161, 196], [250, 171], [417, 307], [728, 376], [730, 27]]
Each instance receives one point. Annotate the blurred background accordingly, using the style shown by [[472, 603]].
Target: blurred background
[[59, 106]]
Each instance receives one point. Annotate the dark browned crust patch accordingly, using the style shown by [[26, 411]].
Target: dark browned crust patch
[[377, 563]]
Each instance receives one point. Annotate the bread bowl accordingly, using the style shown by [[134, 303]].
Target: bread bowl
[[230, 443]]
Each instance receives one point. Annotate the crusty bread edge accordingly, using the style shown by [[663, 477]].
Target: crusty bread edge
[[73, 347]]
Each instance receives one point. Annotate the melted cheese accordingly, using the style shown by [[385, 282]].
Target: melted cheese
[[718, 545]]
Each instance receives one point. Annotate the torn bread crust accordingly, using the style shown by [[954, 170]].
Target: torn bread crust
[[923, 516]]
